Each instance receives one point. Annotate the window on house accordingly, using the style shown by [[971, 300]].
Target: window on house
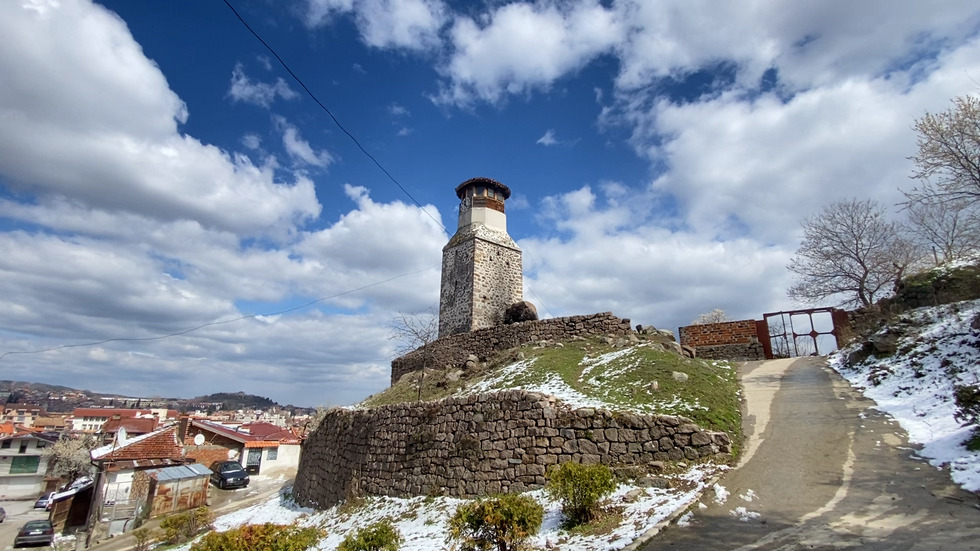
[[272, 454], [25, 465], [23, 447], [6, 444], [40, 444]]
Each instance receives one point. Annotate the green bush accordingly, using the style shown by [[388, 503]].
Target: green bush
[[502, 523], [580, 489], [144, 538], [265, 537], [967, 398], [184, 526], [379, 536]]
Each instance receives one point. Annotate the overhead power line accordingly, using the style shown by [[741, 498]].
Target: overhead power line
[[330, 113]]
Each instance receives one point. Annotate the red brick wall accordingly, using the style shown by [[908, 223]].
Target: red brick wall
[[206, 455], [713, 334]]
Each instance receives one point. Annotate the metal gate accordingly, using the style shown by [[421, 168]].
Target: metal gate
[[794, 333]]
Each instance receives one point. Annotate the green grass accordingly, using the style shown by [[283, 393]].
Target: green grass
[[710, 396]]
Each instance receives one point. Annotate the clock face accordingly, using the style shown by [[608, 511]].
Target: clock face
[[466, 203]]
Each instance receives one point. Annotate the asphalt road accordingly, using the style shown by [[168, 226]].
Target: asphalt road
[[822, 470], [18, 513]]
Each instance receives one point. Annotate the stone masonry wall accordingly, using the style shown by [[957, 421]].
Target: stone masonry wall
[[479, 445], [752, 351], [498, 282], [454, 350]]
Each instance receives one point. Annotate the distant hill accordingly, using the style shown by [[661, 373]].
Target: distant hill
[[237, 400]]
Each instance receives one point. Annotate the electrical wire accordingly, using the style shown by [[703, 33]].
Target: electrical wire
[[330, 113]]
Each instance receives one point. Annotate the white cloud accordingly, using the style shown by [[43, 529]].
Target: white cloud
[[138, 230], [548, 138], [257, 93], [625, 261], [299, 149], [524, 47], [410, 24]]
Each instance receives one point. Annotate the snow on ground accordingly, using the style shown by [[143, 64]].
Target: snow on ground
[[508, 376], [423, 521], [915, 386]]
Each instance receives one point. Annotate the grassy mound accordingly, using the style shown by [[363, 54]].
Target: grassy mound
[[640, 377]]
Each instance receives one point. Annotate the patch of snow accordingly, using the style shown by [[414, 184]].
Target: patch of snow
[[685, 520], [748, 496], [916, 386], [743, 514], [423, 521], [721, 494]]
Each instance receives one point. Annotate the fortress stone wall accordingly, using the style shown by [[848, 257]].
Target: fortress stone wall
[[454, 350], [479, 445]]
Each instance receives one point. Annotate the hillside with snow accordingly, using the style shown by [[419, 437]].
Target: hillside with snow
[[936, 350]]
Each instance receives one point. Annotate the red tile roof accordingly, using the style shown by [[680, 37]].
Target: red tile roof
[[256, 432], [162, 444], [133, 426]]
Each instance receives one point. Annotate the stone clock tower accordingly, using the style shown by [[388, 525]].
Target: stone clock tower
[[481, 264]]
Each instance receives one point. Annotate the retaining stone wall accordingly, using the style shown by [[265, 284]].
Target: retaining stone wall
[[736, 352], [454, 350], [479, 445]]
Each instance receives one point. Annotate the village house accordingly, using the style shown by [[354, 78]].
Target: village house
[[23, 462], [262, 448], [90, 420], [133, 473], [21, 414]]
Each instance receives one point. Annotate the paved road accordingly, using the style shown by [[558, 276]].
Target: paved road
[[822, 470], [18, 513]]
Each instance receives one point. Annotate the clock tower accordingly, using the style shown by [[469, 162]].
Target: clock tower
[[481, 265]]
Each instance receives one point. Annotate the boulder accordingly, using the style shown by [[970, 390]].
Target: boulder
[[520, 311]]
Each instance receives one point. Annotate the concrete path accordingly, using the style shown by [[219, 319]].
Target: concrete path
[[822, 470]]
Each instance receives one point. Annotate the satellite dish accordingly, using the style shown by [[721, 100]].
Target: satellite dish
[[121, 436], [199, 439]]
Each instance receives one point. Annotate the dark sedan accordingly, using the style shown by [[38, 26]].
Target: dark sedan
[[35, 532], [228, 474]]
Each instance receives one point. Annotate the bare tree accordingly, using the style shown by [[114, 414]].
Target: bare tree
[[715, 316], [851, 252], [951, 230], [415, 332], [948, 161]]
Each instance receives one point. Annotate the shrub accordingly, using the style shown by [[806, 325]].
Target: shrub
[[580, 489], [967, 398], [184, 526], [501, 523], [144, 538], [379, 536], [267, 537]]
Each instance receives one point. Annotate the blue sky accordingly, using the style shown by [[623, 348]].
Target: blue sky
[[161, 171]]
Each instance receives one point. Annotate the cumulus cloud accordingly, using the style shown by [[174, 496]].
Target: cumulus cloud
[[410, 24], [132, 229], [257, 93], [620, 253], [524, 47], [299, 149]]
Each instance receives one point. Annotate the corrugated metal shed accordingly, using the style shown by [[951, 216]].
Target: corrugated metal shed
[[181, 472]]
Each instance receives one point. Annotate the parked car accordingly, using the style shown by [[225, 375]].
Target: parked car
[[3, 514], [35, 532], [44, 502], [228, 474]]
